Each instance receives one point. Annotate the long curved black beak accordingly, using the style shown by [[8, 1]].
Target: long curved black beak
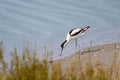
[[61, 51]]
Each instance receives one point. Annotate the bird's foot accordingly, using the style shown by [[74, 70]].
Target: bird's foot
[[81, 53]]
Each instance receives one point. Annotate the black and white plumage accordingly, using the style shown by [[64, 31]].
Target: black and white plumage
[[74, 34]]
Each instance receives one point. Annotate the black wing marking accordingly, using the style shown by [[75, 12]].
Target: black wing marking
[[71, 31], [80, 31]]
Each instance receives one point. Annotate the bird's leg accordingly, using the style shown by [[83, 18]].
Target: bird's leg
[[76, 43], [81, 51]]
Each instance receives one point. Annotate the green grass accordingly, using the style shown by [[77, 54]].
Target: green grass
[[30, 67]]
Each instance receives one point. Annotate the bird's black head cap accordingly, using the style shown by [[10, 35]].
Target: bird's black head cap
[[62, 45]]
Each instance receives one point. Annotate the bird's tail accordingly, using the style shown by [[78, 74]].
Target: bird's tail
[[86, 28]]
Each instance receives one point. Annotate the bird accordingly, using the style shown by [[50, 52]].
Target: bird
[[74, 34]]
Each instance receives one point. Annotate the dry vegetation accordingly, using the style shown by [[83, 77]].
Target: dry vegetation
[[29, 67]]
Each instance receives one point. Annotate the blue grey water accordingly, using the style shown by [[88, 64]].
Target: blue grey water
[[46, 22]]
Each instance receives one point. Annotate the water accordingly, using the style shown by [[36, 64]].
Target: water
[[46, 22]]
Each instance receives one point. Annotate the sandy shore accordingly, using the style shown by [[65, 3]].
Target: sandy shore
[[94, 55]]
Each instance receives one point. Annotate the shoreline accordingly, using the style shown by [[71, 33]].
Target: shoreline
[[94, 55]]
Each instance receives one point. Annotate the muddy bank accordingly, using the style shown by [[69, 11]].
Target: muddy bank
[[103, 55]]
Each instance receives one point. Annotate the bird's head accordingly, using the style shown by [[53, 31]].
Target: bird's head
[[63, 45]]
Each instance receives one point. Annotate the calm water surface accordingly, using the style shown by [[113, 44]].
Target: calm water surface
[[46, 22]]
